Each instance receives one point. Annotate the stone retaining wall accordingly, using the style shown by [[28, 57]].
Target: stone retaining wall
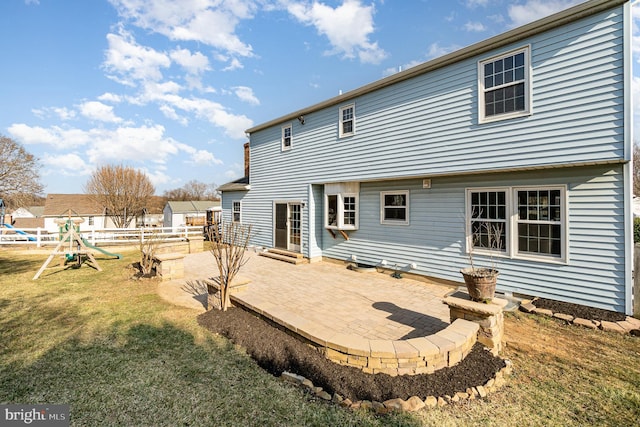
[[422, 355], [170, 265]]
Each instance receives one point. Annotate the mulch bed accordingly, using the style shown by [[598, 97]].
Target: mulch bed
[[276, 351], [575, 310]]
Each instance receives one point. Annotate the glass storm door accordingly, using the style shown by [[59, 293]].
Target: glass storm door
[[295, 222], [288, 226]]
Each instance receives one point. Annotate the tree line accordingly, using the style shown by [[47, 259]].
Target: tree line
[[124, 191]]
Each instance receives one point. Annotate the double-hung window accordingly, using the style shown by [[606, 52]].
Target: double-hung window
[[347, 120], [394, 207], [519, 222], [539, 222], [237, 211], [504, 86], [488, 220], [286, 137]]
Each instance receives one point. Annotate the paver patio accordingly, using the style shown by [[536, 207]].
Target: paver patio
[[324, 296]]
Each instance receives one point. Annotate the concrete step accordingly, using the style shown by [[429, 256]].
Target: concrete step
[[290, 259], [286, 253]]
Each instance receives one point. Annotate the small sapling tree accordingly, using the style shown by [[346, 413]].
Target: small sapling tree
[[228, 245]]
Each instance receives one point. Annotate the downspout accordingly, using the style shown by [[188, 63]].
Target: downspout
[[628, 157]]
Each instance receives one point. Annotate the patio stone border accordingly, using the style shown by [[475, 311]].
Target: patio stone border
[[630, 325], [413, 356], [414, 403], [470, 322]]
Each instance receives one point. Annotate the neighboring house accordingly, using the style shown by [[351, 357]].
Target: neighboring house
[[153, 214], [60, 206], [529, 130], [28, 212], [177, 213], [29, 217]]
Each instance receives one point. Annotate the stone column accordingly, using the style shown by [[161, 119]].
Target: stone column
[[196, 244], [489, 317]]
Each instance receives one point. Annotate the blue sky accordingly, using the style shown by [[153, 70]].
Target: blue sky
[[170, 86]]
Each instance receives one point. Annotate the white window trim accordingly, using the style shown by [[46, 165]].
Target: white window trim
[[527, 87], [282, 146], [564, 227], [511, 252], [340, 214], [353, 131], [507, 223], [382, 206], [233, 203]]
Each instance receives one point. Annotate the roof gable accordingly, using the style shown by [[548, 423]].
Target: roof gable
[[80, 204]]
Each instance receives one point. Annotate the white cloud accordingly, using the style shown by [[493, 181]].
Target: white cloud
[[55, 136], [62, 113], [95, 110], [110, 97], [435, 50], [532, 10], [69, 164], [138, 144], [246, 94], [211, 22], [194, 63], [158, 177], [347, 27], [127, 62], [204, 158], [234, 64], [233, 125], [474, 26], [171, 113]]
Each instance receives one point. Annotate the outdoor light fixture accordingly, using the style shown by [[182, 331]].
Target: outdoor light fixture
[[301, 119]]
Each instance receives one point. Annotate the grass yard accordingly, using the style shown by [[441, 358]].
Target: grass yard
[[119, 355]]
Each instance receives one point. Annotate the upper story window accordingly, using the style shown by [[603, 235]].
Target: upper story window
[[394, 207], [504, 86], [347, 120], [286, 137], [237, 211]]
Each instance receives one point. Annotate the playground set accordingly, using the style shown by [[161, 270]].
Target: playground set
[[72, 246]]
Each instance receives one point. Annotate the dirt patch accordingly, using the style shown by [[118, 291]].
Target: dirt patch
[[276, 351], [575, 310], [136, 273]]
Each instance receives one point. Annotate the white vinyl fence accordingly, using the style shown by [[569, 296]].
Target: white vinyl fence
[[40, 237]]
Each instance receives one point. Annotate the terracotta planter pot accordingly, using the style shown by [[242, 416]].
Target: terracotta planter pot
[[481, 283]]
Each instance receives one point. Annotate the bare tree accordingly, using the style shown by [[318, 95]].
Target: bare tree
[[229, 245], [123, 191], [19, 178], [150, 240], [193, 190]]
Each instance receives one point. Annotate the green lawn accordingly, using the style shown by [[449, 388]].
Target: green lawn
[[119, 355]]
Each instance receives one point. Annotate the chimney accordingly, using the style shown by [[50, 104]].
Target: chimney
[[246, 159]]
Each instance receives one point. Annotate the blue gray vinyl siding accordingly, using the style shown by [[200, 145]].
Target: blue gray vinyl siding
[[435, 237], [428, 127]]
